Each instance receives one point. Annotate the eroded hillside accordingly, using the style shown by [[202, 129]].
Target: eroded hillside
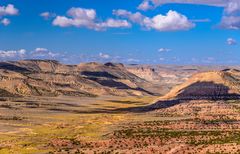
[[51, 78]]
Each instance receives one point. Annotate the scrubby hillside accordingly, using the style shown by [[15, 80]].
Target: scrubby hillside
[[51, 78]]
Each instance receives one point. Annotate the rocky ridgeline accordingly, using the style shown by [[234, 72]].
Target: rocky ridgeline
[[51, 78]]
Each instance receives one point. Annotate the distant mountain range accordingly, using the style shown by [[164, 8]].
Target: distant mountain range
[[51, 78]]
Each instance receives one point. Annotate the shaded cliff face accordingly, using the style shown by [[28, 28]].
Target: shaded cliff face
[[207, 90], [209, 85], [51, 78]]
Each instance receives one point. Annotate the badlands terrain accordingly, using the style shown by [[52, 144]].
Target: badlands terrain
[[49, 107]]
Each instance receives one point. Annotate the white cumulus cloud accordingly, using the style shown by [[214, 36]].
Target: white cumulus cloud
[[133, 17], [5, 22], [233, 6], [113, 23], [172, 21], [43, 52], [47, 15], [231, 41], [38, 53], [8, 10], [230, 22], [145, 5], [81, 17], [231, 13], [216, 3]]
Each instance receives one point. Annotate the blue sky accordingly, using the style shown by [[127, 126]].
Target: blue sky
[[128, 31]]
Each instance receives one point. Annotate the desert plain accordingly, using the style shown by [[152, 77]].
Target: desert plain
[[49, 107]]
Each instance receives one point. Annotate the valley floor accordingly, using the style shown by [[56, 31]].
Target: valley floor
[[105, 125]]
